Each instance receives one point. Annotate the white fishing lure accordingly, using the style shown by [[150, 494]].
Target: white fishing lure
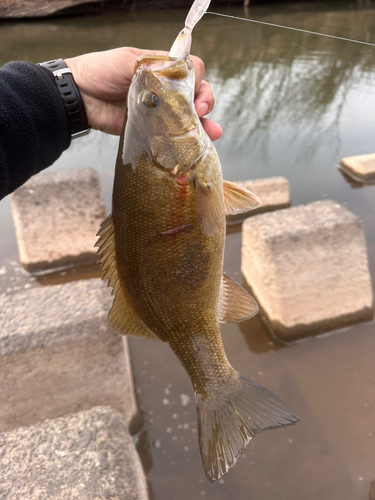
[[182, 45]]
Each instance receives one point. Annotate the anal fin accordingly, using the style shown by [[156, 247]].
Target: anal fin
[[122, 316], [236, 303], [238, 200]]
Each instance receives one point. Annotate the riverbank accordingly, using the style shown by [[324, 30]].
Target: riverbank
[[18, 9]]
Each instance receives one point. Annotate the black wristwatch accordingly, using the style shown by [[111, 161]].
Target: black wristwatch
[[71, 98]]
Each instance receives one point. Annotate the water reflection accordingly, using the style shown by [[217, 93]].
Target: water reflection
[[290, 103], [258, 337], [352, 182], [285, 90]]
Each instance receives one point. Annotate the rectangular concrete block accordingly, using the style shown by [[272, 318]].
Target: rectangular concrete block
[[85, 456], [273, 192], [360, 168], [308, 268], [56, 216], [58, 355]]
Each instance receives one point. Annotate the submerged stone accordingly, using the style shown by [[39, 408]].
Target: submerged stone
[[308, 268]]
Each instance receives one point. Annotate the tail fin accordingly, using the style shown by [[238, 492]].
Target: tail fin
[[228, 423]]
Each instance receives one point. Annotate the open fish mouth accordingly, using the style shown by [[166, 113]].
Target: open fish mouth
[[162, 66]]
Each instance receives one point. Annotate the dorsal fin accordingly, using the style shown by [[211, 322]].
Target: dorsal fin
[[236, 304], [238, 200], [122, 316]]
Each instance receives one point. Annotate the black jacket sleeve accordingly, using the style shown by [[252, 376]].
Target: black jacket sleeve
[[33, 124]]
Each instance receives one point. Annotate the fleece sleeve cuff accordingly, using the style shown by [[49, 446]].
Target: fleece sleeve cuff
[[33, 124]]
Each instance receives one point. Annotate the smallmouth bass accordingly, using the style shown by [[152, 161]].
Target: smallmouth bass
[[162, 250]]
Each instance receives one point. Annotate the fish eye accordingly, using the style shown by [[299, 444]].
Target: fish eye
[[150, 99], [182, 32]]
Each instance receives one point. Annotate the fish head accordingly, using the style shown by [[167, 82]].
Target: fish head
[[161, 108]]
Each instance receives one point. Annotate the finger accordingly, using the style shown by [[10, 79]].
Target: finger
[[213, 129], [199, 71], [139, 52], [204, 100]]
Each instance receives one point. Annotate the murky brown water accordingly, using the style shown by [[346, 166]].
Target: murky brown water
[[290, 104]]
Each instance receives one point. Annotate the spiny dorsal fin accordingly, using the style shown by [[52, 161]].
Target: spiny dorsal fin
[[121, 316], [236, 304], [209, 205], [238, 200]]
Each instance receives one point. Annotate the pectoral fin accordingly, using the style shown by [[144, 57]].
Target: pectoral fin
[[238, 199], [210, 209], [121, 317], [236, 304]]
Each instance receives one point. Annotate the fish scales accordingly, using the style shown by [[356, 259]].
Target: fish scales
[[159, 270], [162, 250]]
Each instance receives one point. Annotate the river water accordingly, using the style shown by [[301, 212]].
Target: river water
[[290, 104]]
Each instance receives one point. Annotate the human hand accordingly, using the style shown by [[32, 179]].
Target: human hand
[[103, 79]]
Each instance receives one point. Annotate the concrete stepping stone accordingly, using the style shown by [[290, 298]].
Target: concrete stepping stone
[[56, 216], [273, 192], [58, 355], [308, 268], [86, 456], [360, 168]]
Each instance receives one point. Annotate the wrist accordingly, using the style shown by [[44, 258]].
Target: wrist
[[70, 96]]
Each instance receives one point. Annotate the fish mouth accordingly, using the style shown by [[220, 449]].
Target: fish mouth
[[164, 66], [184, 134]]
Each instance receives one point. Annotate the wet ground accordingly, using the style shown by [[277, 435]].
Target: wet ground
[[290, 104]]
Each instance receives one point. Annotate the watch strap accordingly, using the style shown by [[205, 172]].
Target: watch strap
[[70, 96]]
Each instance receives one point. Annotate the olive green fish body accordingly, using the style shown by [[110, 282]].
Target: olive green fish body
[[170, 270], [162, 251]]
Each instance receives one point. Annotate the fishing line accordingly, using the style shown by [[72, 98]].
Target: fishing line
[[293, 29]]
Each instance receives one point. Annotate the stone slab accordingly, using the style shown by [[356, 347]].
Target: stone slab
[[273, 192], [86, 456], [308, 268], [58, 354], [56, 216], [360, 168]]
